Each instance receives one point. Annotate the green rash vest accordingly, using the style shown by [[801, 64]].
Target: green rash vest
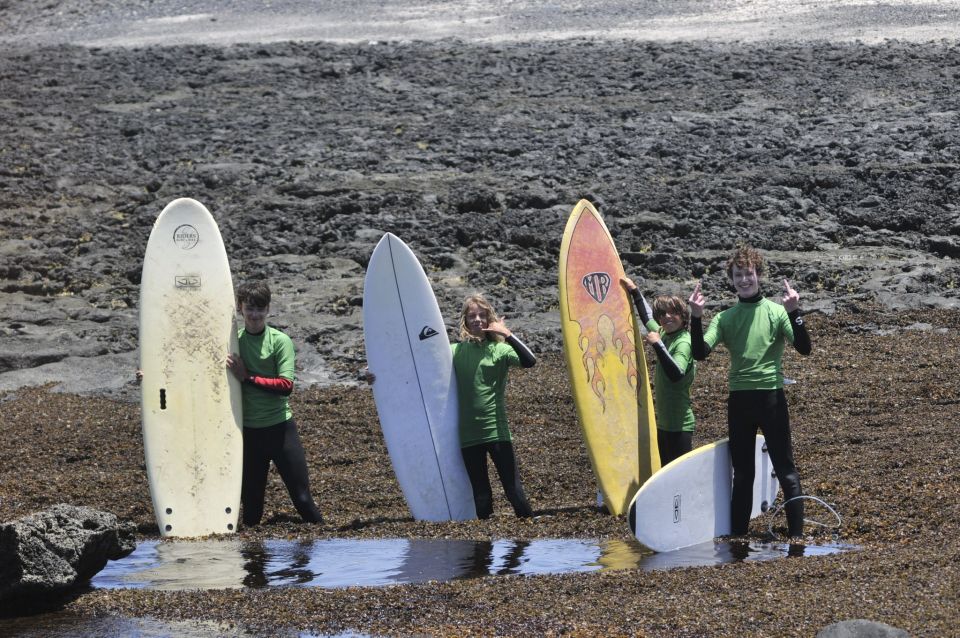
[[268, 354], [754, 333], [671, 399], [482, 372]]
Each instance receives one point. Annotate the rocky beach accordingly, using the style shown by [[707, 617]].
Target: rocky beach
[[836, 157]]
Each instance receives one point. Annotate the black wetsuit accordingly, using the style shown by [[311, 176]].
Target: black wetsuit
[[754, 332], [281, 444]]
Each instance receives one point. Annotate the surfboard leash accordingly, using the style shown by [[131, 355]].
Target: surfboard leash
[[778, 508]]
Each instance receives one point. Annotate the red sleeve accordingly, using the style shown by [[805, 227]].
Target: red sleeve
[[276, 385]]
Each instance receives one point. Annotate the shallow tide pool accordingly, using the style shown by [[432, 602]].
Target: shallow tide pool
[[226, 564]]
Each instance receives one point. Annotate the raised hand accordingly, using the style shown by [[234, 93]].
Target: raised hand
[[498, 327], [697, 301], [790, 298]]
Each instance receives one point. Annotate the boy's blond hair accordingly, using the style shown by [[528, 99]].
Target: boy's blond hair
[[481, 302]]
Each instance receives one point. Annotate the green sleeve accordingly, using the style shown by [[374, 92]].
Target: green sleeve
[[285, 357], [783, 319], [714, 334], [508, 355], [682, 352]]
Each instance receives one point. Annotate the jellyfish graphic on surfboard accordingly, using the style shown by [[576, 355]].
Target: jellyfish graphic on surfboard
[[608, 371]]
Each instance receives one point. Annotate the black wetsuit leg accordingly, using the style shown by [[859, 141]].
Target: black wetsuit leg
[[291, 462], [475, 461], [672, 445], [780, 447], [281, 444], [256, 464], [506, 463], [767, 409]]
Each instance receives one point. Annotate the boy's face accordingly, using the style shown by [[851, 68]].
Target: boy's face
[[254, 317], [670, 320], [476, 320], [745, 280]]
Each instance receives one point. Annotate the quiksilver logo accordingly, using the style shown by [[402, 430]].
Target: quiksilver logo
[[426, 332], [597, 285]]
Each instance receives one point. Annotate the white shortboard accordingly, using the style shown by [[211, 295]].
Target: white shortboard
[[415, 386], [190, 402], [688, 501]]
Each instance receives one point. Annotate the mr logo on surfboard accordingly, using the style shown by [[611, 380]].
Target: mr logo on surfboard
[[597, 285]]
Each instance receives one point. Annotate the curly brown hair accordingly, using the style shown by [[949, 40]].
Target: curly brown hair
[[745, 257]]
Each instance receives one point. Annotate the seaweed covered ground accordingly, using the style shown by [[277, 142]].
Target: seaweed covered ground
[[873, 415], [837, 158]]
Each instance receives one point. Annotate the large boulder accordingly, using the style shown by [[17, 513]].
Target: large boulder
[[59, 548]]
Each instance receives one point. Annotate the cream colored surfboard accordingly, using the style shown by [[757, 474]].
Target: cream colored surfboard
[[608, 372], [191, 408]]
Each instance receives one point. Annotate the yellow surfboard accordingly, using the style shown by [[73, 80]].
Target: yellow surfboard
[[608, 371]]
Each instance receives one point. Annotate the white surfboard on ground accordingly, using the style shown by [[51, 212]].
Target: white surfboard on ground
[[415, 388], [191, 407], [688, 501]]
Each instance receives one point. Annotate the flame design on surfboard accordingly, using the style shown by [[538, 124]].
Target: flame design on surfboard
[[609, 326]]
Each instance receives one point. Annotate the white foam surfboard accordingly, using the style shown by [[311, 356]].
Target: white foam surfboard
[[415, 388], [191, 406], [688, 501]]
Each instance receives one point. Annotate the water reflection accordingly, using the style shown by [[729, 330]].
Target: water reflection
[[333, 563], [65, 625]]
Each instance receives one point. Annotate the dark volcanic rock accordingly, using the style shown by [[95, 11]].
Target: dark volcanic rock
[[59, 548], [838, 160]]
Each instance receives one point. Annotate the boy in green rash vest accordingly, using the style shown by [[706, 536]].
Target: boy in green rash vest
[[754, 331], [667, 323], [265, 366], [481, 361]]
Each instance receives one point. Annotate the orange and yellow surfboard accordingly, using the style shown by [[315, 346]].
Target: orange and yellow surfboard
[[608, 371]]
